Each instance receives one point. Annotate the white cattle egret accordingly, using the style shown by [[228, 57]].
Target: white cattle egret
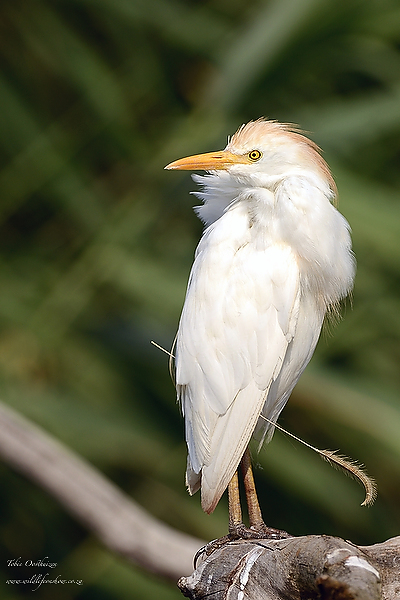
[[275, 256]]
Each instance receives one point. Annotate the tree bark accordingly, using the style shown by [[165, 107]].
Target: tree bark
[[316, 567], [304, 568]]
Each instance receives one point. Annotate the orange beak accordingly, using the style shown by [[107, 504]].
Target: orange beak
[[211, 161]]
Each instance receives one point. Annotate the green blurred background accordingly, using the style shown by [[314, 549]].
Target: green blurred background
[[96, 96]]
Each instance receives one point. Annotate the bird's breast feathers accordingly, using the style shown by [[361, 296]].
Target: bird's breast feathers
[[264, 273]]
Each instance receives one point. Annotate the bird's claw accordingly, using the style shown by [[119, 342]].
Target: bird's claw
[[259, 531], [241, 532]]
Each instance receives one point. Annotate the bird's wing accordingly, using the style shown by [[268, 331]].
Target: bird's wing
[[309, 321], [239, 317]]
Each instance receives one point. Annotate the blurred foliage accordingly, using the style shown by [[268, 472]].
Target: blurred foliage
[[96, 242]]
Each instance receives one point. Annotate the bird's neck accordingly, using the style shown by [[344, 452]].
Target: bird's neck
[[293, 211], [220, 192]]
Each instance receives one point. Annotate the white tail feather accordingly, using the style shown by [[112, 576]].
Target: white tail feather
[[161, 348], [349, 466]]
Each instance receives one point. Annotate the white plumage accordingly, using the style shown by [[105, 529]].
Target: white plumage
[[274, 257]]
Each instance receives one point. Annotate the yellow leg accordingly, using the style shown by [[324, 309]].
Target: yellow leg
[[255, 516], [257, 528], [235, 511]]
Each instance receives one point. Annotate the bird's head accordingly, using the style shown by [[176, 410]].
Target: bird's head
[[259, 151]]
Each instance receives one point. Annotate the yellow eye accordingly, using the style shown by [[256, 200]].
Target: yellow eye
[[254, 155]]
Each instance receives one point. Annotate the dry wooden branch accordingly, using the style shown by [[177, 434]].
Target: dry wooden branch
[[122, 525], [303, 568], [306, 568]]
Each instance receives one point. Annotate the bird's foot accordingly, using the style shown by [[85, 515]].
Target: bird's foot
[[258, 531], [241, 532], [211, 547]]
